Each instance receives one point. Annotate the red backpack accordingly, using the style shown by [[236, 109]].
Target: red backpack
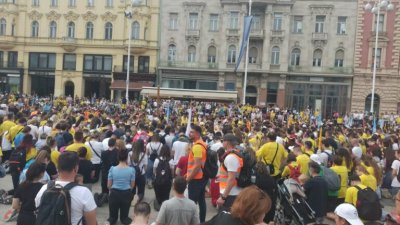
[[294, 172]]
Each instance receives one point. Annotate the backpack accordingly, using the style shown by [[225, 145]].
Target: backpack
[[17, 160], [294, 172], [330, 159], [154, 154], [210, 169], [163, 173], [368, 206], [331, 178], [247, 171], [137, 168], [55, 205]]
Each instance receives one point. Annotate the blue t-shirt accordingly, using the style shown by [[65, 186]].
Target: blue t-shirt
[[121, 177], [18, 139]]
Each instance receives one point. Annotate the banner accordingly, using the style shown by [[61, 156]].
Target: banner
[[246, 35]]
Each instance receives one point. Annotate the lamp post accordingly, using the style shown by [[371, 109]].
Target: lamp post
[[376, 8]]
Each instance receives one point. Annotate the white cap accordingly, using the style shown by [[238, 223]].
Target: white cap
[[357, 152], [316, 158], [349, 213]]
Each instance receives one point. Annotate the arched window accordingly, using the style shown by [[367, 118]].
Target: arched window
[[71, 30], [191, 54], [35, 29], [135, 30], [171, 53], [275, 56], [108, 30], [231, 54], [89, 30], [52, 29], [212, 54], [339, 58], [317, 58], [295, 57], [3, 25], [253, 52]]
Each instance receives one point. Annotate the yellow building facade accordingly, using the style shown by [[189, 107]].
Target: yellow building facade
[[77, 47]]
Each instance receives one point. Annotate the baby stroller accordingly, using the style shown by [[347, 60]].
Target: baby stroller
[[291, 208]]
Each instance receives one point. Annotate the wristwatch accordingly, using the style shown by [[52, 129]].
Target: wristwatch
[[223, 197]]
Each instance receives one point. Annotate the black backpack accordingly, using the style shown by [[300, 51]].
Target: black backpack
[[210, 168], [163, 173], [17, 160], [138, 170], [247, 171], [368, 206], [55, 205]]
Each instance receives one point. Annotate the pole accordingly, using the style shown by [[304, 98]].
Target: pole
[[246, 62], [128, 67], [376, 52]]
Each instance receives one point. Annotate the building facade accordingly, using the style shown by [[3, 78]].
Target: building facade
[[387, 96], [77, 48], [300, 52]]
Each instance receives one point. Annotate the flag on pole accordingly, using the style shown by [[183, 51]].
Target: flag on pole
[[374, 125], [246, 35], [189, 124]]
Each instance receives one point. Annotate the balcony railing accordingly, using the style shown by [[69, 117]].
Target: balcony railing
[[7, 38], [189, 65], [320, 36], [277, 33], [232, 32], [257, 33], [329, 70], [11, 65], [69, 40], [195, 33]]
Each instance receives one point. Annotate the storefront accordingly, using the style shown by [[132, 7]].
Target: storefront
[[42, 83]]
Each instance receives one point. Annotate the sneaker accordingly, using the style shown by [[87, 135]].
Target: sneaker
[[96, 197], [10, 215]]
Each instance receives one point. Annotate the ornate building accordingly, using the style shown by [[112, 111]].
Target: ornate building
[[300, 55], [71, 47]]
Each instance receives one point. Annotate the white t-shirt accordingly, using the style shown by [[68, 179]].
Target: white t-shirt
[[105, 143], [142, 163], [216, 146], [232, 164], [396, 166], [34, 131], [157, 161], [154, 146], [179, 148], [168, 140], [81, 201], [97, 147], [44, 129]]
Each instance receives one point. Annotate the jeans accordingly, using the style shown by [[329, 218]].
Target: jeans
[[196, 189], [149, 171], [139, 187], [120, 201], [387, 179]]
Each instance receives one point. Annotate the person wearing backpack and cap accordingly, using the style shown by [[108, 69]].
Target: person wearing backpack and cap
[[346, 214], [228, 171]]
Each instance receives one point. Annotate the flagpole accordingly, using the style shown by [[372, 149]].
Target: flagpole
[[246, 62]]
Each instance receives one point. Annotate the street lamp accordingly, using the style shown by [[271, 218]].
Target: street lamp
[[128, 15], [375, 8]]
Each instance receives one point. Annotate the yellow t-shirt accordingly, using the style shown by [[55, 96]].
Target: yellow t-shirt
[[54, 157], [286, 170], [268, 150], [370, 169], [351, 194], [197, 151], [13, 132], [369, 181], [343, 174], [5, 126], [76, 146], [303, 161], [31, 154]]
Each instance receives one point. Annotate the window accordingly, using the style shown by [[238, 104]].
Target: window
[[71, 30], [171, 53], [90, 3], [52, 29], [275, 55], [230, 86], [341, 25], [42, 61], [97, 63], [253, 52], [35, 29], [108, 30], [191, 54], [319, 24], [381, 23], [378, 57], [109, 3], [339, 58], [1, 59], [89, 30], [144, 64], [193, 19], [71, 3], [69, 62], [234, 20], [3, 25], [12, 59], [54, 3], [207, 85], [317, 58], [232, 54], [189, 84], [212, 54], [272, 92], [35, 2], [297, 24], [214, 22], [295, 57], [256, 23], [277, 26], [131, 63], [173, 21], [135, 30]]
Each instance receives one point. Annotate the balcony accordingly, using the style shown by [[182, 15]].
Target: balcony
[[257, 34], [11, 65], [320, 36], [277, 33], [188, 65], [7, 42], [139, 46], [69, 44], [193, 33], [232, 32], [8, 5], [327, 70]]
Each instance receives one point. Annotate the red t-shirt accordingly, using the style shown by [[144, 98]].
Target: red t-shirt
[[182, 164]]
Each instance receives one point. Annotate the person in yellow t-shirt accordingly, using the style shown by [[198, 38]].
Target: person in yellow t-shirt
[[302, 159], [7, 124], [272, 153], [352, 192], [79, 143], [343, 174], [308, 148], [12, 133], [366, 178], [291, 164]]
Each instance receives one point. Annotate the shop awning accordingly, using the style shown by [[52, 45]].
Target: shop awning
[[133, 86]]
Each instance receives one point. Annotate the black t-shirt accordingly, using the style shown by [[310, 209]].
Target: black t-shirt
[[316, 190], [223, 218], [109, 158], [51, 170], [85, 169], [26, 192]]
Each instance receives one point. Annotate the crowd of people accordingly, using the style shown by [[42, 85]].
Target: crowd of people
[[338, 164]]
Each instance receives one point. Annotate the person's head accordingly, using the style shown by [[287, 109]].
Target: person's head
[[22, 121], [360, 170], [346, 214], [354, 180], [291, 158], [271, 136], [120, 144], [51, 142], [314, 168], [43, 157], [230, 141], [337, 160], [142, 210], [78, 136], [251, 205], [165, 152], [68, 163], [195, 133], [26, 130], [308, 145], [35, 171], [179, 185], [82, 151], [111, 142], [155, 137], [27, 141], [139, 146], [297, 150], [123, 155]]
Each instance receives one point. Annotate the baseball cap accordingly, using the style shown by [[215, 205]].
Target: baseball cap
[[349, 213], [316, 158], [357, 152]]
